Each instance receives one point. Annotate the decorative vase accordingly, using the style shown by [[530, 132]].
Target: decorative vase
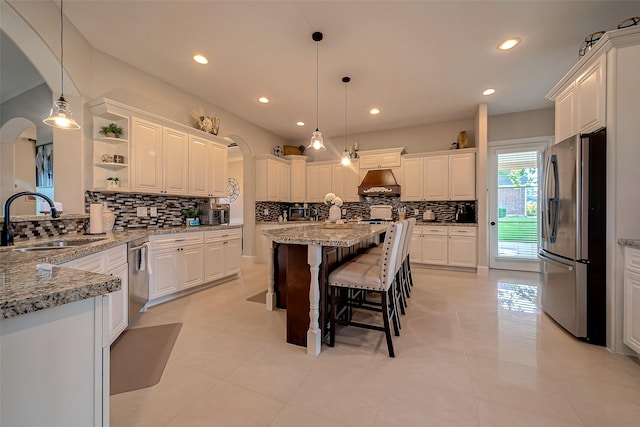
[[108, 218], [334, 213]]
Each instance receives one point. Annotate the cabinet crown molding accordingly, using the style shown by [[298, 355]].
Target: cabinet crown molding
[[613, 38], [381, 151], [105, 106], [440, 153]]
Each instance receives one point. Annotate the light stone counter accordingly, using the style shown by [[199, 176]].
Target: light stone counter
[[319, 235], [25, 289], [631, 243]]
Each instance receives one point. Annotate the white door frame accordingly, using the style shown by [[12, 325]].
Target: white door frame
[[505, 146]]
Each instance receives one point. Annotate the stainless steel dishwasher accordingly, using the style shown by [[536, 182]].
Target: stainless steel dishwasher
[[139, 264]]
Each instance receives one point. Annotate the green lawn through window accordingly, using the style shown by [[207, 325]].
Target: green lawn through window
[[518, 229]]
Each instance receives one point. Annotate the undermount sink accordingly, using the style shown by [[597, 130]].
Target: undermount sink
[[56, 244]]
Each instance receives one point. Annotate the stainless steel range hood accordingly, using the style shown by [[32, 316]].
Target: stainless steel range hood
[[379, 182]]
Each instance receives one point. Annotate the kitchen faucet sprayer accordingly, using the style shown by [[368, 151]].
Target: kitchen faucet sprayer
[[7, 235]]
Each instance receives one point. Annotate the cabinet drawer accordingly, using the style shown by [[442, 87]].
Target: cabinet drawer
[[462, 231], [92, 263], [114, 257], [180, 239], [632, 259], [435, 230], [212, 236]]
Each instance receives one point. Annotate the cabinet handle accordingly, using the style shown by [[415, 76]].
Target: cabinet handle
[[179, 240]]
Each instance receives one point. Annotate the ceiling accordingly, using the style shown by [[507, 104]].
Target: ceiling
[[420, 62]]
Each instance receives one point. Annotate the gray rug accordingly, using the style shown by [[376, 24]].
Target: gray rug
[[261, 297], [138, 356]]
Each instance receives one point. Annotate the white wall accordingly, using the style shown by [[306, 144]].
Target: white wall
[[524, 124], [415, 139], [235, 170]]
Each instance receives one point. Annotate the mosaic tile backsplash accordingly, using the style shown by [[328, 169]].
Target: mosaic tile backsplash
[[124, 206], [444, 211], [27, 230]]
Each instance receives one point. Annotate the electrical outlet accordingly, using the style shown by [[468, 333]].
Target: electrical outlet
[[416, 212], [344, 211], [265, 212], [141, 211], [153, 211]]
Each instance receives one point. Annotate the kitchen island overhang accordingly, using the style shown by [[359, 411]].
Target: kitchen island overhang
[[298, 270]]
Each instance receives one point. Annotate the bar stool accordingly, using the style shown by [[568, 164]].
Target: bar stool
[[378, 278], [373, 258]]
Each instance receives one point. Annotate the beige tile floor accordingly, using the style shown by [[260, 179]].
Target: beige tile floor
[[473, 351]]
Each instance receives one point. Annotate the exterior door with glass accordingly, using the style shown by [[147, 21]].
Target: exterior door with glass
[[515, 171]]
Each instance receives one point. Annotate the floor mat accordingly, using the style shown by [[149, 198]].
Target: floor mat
[[261, 297], [138, 356]]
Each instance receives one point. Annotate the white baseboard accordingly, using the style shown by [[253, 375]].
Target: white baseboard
[[483, 270]]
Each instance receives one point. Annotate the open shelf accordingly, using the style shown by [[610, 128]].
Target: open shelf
[[112, 166]]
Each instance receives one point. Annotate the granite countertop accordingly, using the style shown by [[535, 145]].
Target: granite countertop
[[632, 243], [447, 223], [25, 289], [319, 235]]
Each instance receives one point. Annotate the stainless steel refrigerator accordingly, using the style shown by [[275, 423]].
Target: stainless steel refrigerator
[[573, 233]]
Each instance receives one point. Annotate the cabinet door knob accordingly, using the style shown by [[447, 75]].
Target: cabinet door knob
[[493, 223]]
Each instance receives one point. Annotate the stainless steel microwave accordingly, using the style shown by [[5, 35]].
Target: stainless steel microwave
[[298, 213]]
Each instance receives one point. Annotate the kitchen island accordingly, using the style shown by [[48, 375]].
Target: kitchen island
[[299, 267]]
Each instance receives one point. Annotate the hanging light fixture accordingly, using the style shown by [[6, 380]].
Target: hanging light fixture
[[346, 157], [60, 115], [317, 142]]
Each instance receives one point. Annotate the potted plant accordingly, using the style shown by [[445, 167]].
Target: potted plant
[[111, 130], [113, 181], [191, 216]]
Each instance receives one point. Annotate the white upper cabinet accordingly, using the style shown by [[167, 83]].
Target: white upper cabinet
[[462, 176], [207, 167], [378, 159], [160, 158], [146, 150], [175, 161], [564, 114], [217, 170], [318, 181], [439, 177], [436, 178], [198, 159], [590, 97], [273, 177], [580, 105], [298, 178]]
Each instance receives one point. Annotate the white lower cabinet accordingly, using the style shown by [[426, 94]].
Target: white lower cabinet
[[111, 261], [444, 245], [54, 366], [177, 263], [223, 253], [462, 246], [631, 313], [186, 260]]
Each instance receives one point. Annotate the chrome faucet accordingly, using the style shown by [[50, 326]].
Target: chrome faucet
[[7, 235]]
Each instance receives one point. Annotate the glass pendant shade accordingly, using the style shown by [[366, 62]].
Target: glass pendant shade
[[60, 116], [346, 158], [317, 142]]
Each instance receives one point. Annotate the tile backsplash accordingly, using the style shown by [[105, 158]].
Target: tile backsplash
[[124, 206], [444, 211]]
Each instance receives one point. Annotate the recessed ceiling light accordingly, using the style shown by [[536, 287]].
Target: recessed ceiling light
[[509, 43], [489, 91], [263, 99], [300, 123], [374, 111], [200, 59]]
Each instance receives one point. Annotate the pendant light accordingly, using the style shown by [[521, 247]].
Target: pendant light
[[346, 157], [60, 115], [317, 142]]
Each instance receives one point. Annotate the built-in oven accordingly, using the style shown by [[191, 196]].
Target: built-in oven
[[298, 213], [139, 264]]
